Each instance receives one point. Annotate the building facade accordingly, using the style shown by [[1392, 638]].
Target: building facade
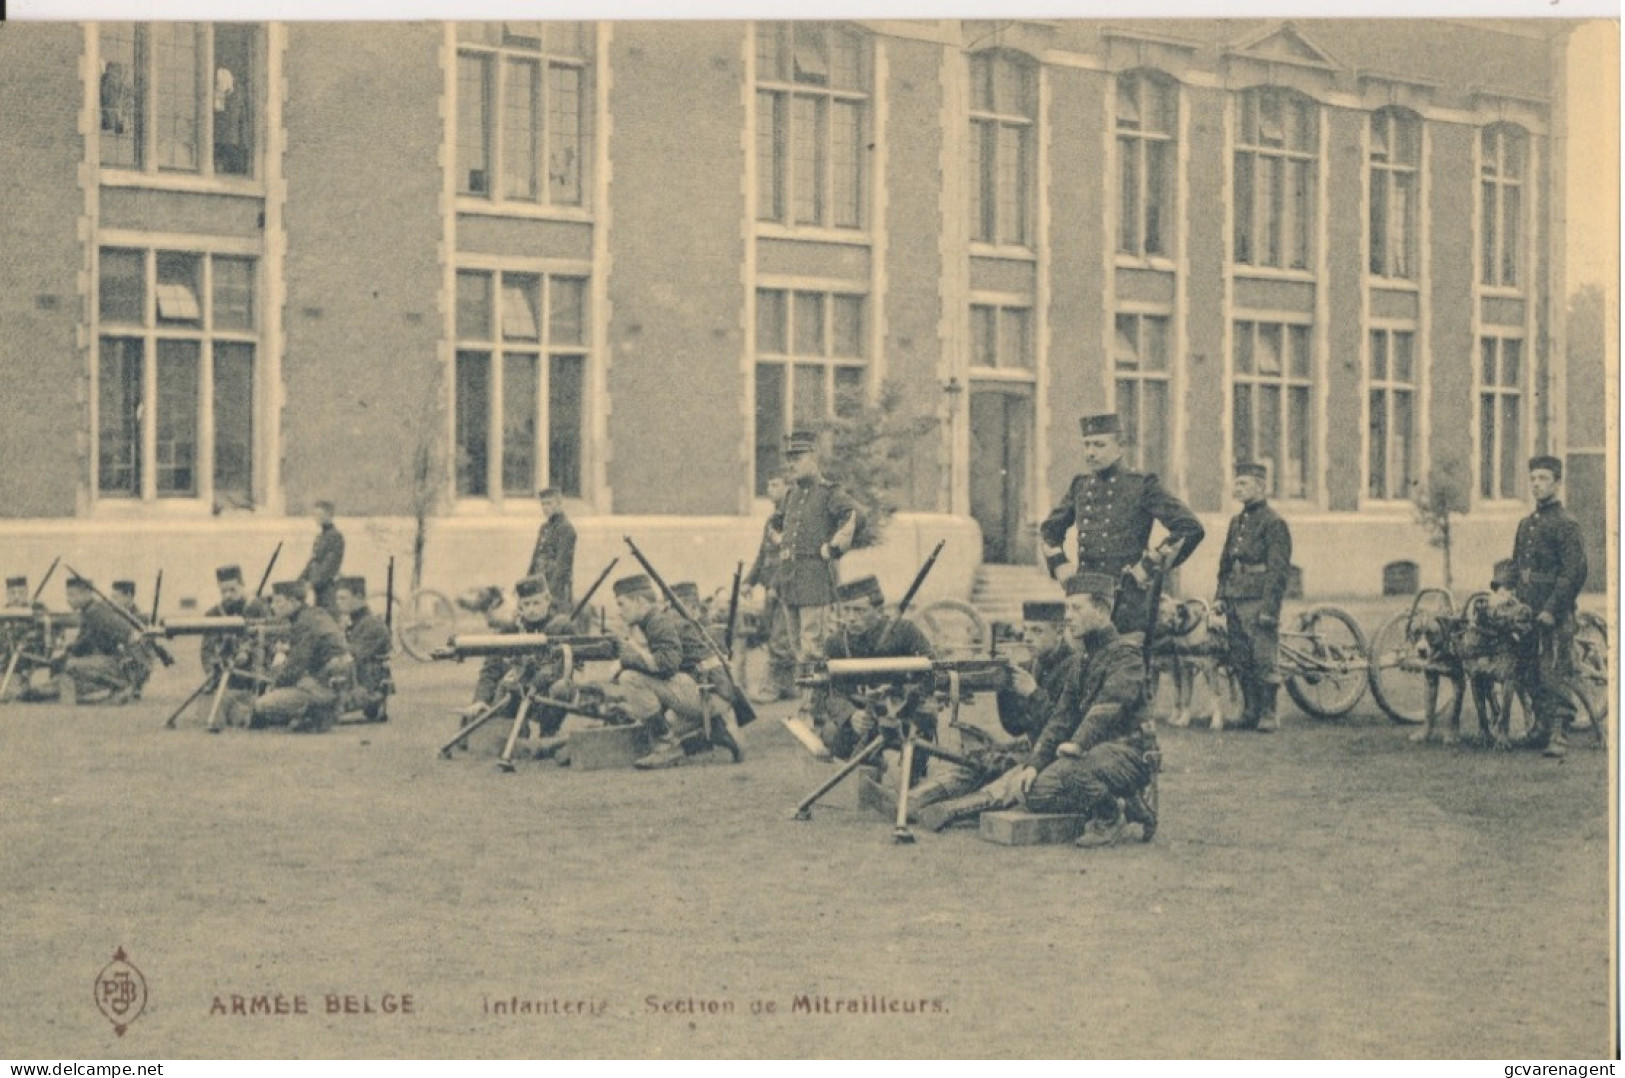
[[248, 266]]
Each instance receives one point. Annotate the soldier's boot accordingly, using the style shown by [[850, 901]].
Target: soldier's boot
[[1266, 722], [724, 736], [1104, 829], [1139, 810], [944, 814], [1557, 745], [667, 754]]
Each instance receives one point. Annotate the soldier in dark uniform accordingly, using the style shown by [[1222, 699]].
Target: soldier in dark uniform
[[103, 656], [326, 557], [702, 664], [301, 696], [124, 596], [844, 725], [775, 617], [555, 554], [1549, 568], [544, 674], [28, 636], [1024, 707], [817, 525], [1253, 572], [367, 637], [1114, 509], [17, 593]]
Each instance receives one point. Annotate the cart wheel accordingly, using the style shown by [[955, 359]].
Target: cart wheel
[[1398, 673], [1589, 660], [426, 620], [1328, 675], [955, 629]]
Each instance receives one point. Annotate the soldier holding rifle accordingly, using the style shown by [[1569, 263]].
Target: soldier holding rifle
[[105, 656], [368, 640]]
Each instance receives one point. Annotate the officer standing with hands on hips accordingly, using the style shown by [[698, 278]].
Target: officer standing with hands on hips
[[1253, 572], [1113, 508]]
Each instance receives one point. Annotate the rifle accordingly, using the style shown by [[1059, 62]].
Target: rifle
[[733, 611], [389, 597], [266, 576], [129, 619], [742, 709], [17, 649], [908, 596], [587, 598], [157, 590]]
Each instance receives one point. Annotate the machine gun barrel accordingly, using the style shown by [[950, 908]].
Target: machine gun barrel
[[211, 625], [986, 675], [485, 645]]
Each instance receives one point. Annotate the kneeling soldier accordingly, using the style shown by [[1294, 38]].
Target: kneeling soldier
[[537, 614], [864, 632], [301, 696], [105, 656], [699, 661], [651, 682], [367, 637]]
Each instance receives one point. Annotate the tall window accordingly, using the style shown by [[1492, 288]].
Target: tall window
[[1003, 106], [179, 97], [1277, 143], [1140, 362], [1503, 160], [524, 111], [521, 382], [811, 363], [1391, 404], [1271, 420], [1396, 155], [1001, 337], [175, 375], [1147, 126], [812, 104], [1500, 417]]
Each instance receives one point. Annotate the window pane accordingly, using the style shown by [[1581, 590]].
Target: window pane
[[1154, 343], [981, 82], [1128, 101], [521, 303], [1378, 260], [1014, 349], [1512, 363], [1404, 225], [810, 405], [1245, 441], [567, 319], [1511, 207], [1300, 226], [1487, 373], [1012, 190], [1511, 443], [122, 93], [1244, 347], [123, 295], [566, 135], [769, 52], [1300, 350], [473, 422], [809, 324], [769, 157], [1379, 355], [118, 417], [179, 286], [984, 340], [977, 171], [811, 53], [849, 326], [1403, 344], [474, 306], [770, 322], [566, 407], [770, 425], [234, 424], [1489, 215], [1377, 457], [1126, 342], [849, 61], [1298, 448], [1512, 151], [1154, 428], [1128, 235], [233, 293], [177, 77], [1011, 87], [521, 100], [473, 125], [847, 162], [848, 390], [1128, 412], [1269, 348], [1242, 236], [809, 137], [1269, 432], [1274, 209], [1486, 445], [519, 390], [1407, 141], [175, 460], [1404, 435], [1159, 197], [233, 90]]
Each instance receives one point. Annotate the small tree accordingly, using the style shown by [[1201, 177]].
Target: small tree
[[1437, 500], [424, 466], [870, 446]]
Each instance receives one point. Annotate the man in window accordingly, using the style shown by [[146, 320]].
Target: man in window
[[321, 572], [1253, 571], [1114, 509], [1549, 568], [301, 696], [555, 554]]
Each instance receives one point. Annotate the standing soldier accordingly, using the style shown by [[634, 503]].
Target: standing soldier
[[301, 696], [555, 553], [1114, 509], [775, 618], [321, 572], [1549, 568], [1253, 571], [817, 525]]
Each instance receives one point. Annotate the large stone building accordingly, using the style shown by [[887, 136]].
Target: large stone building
[[246, 266]]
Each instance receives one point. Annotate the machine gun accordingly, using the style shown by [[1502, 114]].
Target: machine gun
[[36, 639], [242, 653]]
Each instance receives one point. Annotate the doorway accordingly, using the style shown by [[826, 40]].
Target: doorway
[[1001, 425]]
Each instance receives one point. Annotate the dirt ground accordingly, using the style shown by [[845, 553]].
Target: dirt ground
[[1329, 891]]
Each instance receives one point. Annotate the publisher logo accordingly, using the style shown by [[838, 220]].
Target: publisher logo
[[121, 992]]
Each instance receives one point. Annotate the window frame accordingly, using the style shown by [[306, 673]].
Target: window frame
[[1500, 392], [1388, 385], [986, 210], [1384, 178], [1284, 382], [1262, 212], [1134, 450], [1132, 147]]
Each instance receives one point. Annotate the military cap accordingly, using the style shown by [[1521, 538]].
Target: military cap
[[687, 592], [532, 585], [548, 492], [1255, 471], [800, 441], [636, 584], [228, 572], [1098, 584], [16, 582], [289, 589], [1504, 575], [79, 582], [865, 587], [1105, 423], [355, 585], [1047, 610], [1549, 464], [124, 587]]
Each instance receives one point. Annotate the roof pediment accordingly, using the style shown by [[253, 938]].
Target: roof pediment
[[1285, 44]]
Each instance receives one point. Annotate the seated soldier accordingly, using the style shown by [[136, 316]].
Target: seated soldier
[[1092, 750], [504, 679], [142, 656], [1024, 707], [301, 696], [703, 665], [368, 640], [844, 723], [226, 651], [104, 657]]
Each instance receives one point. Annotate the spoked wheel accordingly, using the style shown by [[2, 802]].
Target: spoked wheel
[[1589, 660], [426, 620], [1590, 725], [955, 629], [1325, 662], [1398, 672]]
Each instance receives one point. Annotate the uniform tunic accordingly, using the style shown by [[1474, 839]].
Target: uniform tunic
[[554, 557], [102, 655], [1253, 572], [1026, 715], [1549, 568], [301, 694], [816, 512], [326, 558], [841, 719]]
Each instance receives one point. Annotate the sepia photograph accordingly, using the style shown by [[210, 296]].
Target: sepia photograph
[[787, 537]]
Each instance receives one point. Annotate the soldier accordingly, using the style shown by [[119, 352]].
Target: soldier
[[1093, 750], [1253, 571], [124, 596], [104, 655], [17, 593], [775, 618], [367, 637], [301, 694], [706, 669], [537, 613], [844, 725], [33, 640], [555, 554], [1549, 568], [817, 525], [1024, 707], [326, 557], [1114, 509]]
